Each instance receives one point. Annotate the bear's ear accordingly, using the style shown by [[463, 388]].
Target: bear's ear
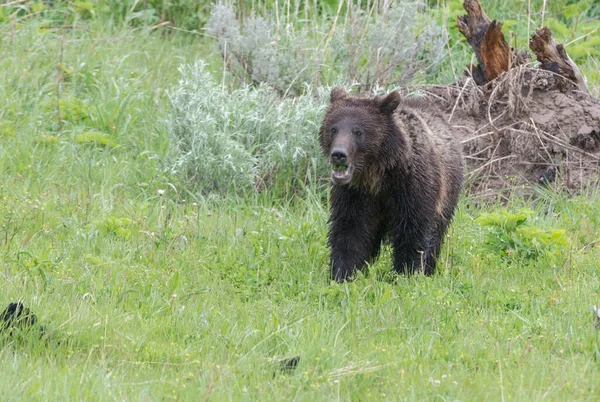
[[390, 103], [337, 94]]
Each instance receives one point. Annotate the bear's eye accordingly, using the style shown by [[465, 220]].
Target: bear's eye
[[357, 132], [334, 130]]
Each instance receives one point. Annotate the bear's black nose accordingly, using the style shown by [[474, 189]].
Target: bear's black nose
[[339, 156]]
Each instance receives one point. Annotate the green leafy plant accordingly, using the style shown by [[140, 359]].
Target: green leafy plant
[[96, 137], [71, 109], [510, 235], [114, 225], [46, 139]]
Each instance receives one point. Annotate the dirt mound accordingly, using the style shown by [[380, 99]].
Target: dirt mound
[[528, 126]]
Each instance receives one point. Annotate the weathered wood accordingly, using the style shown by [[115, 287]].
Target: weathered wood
[[554, 57], [475, 24], [486, 38]]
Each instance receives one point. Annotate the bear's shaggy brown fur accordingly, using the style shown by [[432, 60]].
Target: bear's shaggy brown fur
[[397, 173]]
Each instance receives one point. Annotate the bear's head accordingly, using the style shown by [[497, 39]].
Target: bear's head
[[355, 136]]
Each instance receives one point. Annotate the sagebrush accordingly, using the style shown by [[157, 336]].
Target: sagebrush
[[242, 141], [397, 44]]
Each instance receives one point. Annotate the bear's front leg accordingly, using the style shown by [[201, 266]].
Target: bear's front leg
[[414, 252], [433, 253], [352, 247], [355, 233]]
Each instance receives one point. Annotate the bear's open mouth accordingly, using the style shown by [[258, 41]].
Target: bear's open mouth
[[341, 173]]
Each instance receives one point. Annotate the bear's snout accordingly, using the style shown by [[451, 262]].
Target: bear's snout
[[340, 165], [339, 156]]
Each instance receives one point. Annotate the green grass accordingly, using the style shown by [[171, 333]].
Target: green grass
[[148, 295], [199, 300]]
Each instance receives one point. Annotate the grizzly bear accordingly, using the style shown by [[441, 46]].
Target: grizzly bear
[[397, 173]]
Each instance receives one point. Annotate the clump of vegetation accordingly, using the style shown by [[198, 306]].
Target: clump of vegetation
[[112, 224], [510, 235], [186, 14], [394, 45], [70, 109], [258, 52], [46, 138], [243, 141], [96, 137]]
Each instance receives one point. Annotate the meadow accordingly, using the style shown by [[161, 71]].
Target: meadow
[[167, 224]]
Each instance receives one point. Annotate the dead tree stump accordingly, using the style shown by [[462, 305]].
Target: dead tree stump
[[486, 39]]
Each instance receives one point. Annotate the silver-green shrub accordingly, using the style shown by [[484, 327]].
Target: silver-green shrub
[[396, 44], [257, 52], [245, 140]]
